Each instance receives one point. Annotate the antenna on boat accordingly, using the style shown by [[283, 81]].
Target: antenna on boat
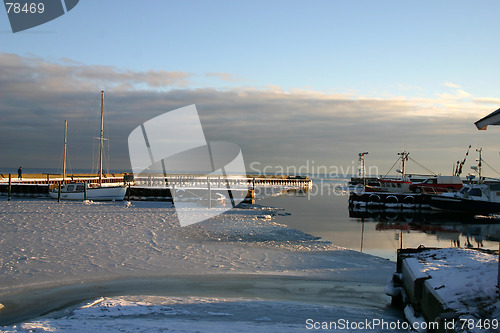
[[480, 165], [404, 159], [101, 137]]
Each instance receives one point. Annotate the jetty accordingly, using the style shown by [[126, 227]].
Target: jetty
[[363, 200], [150, 187]]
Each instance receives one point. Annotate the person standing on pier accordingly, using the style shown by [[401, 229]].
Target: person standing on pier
[[20, 172]]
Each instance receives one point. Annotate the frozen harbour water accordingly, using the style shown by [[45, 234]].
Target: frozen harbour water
[[239, 271]]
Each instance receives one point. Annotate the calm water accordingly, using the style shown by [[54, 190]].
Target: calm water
[[323, 212]]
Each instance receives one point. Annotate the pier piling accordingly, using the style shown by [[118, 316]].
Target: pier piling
[[10, 185]]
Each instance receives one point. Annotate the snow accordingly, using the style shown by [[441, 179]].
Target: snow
[[234, 272], [465, 280], [190, 314]]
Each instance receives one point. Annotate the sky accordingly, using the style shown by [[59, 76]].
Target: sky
[[293, 83]]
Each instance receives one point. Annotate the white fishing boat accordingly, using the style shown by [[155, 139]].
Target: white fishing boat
[[84, 190]]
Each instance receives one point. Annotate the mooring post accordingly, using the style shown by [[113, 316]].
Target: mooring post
[[85, 191], [59, 193], [128, 192], [10, 185]]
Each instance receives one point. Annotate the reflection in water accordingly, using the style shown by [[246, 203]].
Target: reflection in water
[[458, 229], [323, 212]]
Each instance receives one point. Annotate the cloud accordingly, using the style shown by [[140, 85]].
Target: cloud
[[224, 76], [273, 126], [451, 85], [72, 76]]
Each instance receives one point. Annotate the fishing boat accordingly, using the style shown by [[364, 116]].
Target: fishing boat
[[476, 198], [400, 184], [472, 198], [84, 190]]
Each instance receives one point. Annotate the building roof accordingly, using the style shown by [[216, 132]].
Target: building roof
[[491, 119]]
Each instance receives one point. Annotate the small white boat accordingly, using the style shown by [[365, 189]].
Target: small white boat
[[76, 191]]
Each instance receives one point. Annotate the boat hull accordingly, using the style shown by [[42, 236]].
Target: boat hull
[[111, 193], [462, 205]]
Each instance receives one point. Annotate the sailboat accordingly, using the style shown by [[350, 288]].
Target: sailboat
[[83, 190]]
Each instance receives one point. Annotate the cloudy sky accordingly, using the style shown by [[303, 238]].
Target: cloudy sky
[[294, 83]]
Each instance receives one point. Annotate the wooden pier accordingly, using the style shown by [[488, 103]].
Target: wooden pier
[[153, 187]]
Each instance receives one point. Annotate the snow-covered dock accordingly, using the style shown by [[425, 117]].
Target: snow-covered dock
[[448, 290]]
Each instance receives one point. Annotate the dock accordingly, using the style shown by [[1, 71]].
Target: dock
[[387, 200], [152, 187]]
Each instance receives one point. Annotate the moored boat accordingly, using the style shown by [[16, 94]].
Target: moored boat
[[76, 191], [82, 191], [475, 198], [400, 184], [472, 198]]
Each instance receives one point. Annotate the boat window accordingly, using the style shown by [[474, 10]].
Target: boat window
[[464, 190], [70, 188], [393, 185], [399, 185], [475, 192], [79, 187]]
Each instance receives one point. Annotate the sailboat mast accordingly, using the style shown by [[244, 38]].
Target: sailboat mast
[[101, 137], [64, 156]]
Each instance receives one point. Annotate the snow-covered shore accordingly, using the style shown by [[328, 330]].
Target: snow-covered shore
[[54, 255]]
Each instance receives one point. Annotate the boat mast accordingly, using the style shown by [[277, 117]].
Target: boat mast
[[404, 158], [362, 168], [480, 166], [64, 156], [101, 138]]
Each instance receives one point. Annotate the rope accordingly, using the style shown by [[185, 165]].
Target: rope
[[391, 168], [482, 159], [420, 165]]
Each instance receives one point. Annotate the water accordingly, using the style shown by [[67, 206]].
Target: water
[[324, 212]]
